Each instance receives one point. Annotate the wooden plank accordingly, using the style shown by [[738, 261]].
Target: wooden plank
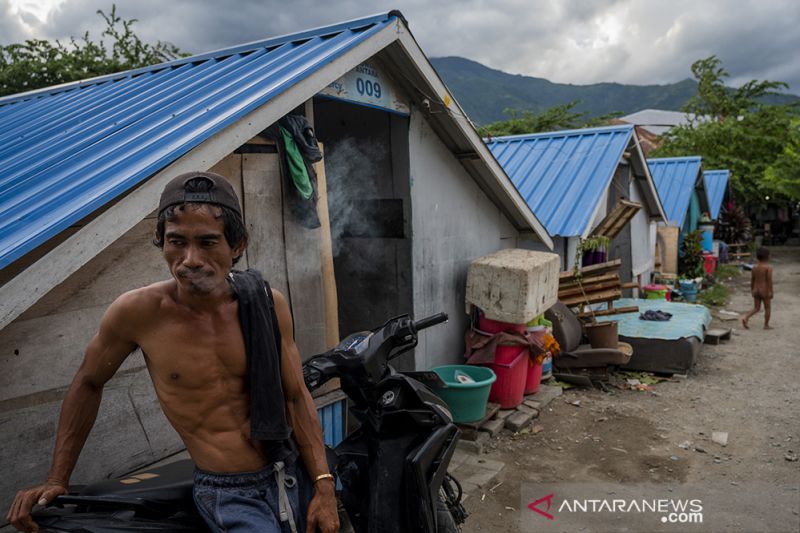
[[304, 276], [667, 238], [591, 270], [621, 214], [614, 311], [598, 297], [593, 279], [630, 285], [326, 260], [263, 212], [588, 288]]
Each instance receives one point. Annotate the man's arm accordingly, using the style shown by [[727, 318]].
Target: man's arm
[[305, 425], [105, 353]]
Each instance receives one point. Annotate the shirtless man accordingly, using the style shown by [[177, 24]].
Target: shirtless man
[[189, 330], [760, 288]]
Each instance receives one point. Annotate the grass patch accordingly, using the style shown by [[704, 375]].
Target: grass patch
[[717, 295], [727, 271]]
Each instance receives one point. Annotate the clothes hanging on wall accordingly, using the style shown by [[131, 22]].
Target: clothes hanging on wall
[[298, 150]]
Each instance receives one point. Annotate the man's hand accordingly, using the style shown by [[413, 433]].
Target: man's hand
[[20, 513], [322, 512]]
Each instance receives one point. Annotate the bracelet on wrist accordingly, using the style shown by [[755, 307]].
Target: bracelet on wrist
[[323, 476]]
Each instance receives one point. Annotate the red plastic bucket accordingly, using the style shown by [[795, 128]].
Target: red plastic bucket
[[506, 354], [491, 327], [710, 264], [509, 388], [534, 377]]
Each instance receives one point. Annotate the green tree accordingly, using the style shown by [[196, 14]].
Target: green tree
[[783, 175], [38, 63], [560, 117], [735, 129]]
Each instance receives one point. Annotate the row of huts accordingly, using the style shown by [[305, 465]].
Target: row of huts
[[408, 195], [581, 182]]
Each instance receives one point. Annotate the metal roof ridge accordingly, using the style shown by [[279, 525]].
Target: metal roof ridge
[[675, 158], [355, 24], [563, 133]]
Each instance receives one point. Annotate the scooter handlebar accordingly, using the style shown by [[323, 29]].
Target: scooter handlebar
[[430, 321]]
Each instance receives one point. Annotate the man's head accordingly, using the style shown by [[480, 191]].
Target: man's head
[[762, 254], [200, 229]]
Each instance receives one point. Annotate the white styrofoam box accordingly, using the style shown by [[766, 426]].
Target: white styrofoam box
[[513, 285]]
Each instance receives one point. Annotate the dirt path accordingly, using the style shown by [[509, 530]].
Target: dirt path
[[747, 387]]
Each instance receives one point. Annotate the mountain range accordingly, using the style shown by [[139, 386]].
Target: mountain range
[[484, 92]]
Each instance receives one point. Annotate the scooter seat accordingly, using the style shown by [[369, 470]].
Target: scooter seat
[[171, 483]]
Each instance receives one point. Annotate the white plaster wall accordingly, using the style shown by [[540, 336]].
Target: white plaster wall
[[453, 223], [643, 237]]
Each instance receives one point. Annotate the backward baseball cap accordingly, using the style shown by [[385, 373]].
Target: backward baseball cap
[[219, 193]]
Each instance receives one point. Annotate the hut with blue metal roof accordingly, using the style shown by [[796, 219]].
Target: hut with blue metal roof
[[414, 195], [680, 185], [573, 180]]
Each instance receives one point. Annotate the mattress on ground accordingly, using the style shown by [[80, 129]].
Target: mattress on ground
[[674, 356], [665, 347]]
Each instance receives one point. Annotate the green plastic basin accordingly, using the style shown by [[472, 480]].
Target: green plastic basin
[[467, 401]]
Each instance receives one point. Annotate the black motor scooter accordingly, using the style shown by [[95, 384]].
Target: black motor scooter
[[391, 471]]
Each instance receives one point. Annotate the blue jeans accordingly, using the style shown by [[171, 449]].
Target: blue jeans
[[272, 500]]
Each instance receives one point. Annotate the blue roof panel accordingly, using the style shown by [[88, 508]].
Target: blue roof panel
[[716, 182], [68, 150], [562, 175], [675, 178]]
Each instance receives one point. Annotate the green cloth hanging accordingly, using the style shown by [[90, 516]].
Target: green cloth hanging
[[297, 166]]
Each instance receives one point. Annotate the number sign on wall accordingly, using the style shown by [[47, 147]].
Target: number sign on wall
[[368, 84]]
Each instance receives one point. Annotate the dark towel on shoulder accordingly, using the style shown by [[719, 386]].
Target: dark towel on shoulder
[[262, 340]]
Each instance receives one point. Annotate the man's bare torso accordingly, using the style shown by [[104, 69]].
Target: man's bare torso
[[198, 366]]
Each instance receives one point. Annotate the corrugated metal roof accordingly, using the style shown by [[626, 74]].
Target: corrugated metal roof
[[658, 121], [716, 181], [562, 175], [68, 150], [675, 178]]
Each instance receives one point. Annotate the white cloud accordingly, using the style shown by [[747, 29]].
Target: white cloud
[[575, 41]]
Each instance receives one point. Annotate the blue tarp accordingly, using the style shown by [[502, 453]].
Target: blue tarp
[[688, 320]]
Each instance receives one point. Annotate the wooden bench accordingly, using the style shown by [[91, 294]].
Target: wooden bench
[[598, 283]]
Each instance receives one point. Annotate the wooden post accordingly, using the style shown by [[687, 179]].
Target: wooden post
[[326, 260]]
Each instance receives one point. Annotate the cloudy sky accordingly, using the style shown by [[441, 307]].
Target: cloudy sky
[[568, 41]]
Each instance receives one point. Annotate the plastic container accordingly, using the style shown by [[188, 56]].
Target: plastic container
[[536, 320], [690, 295], [509, 388], [467, 401], [534, 377], [538, 333], [547, 368], [710, 265], [492, 327], [656, 292], [507, 353], [603, 334], [707, 241]]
